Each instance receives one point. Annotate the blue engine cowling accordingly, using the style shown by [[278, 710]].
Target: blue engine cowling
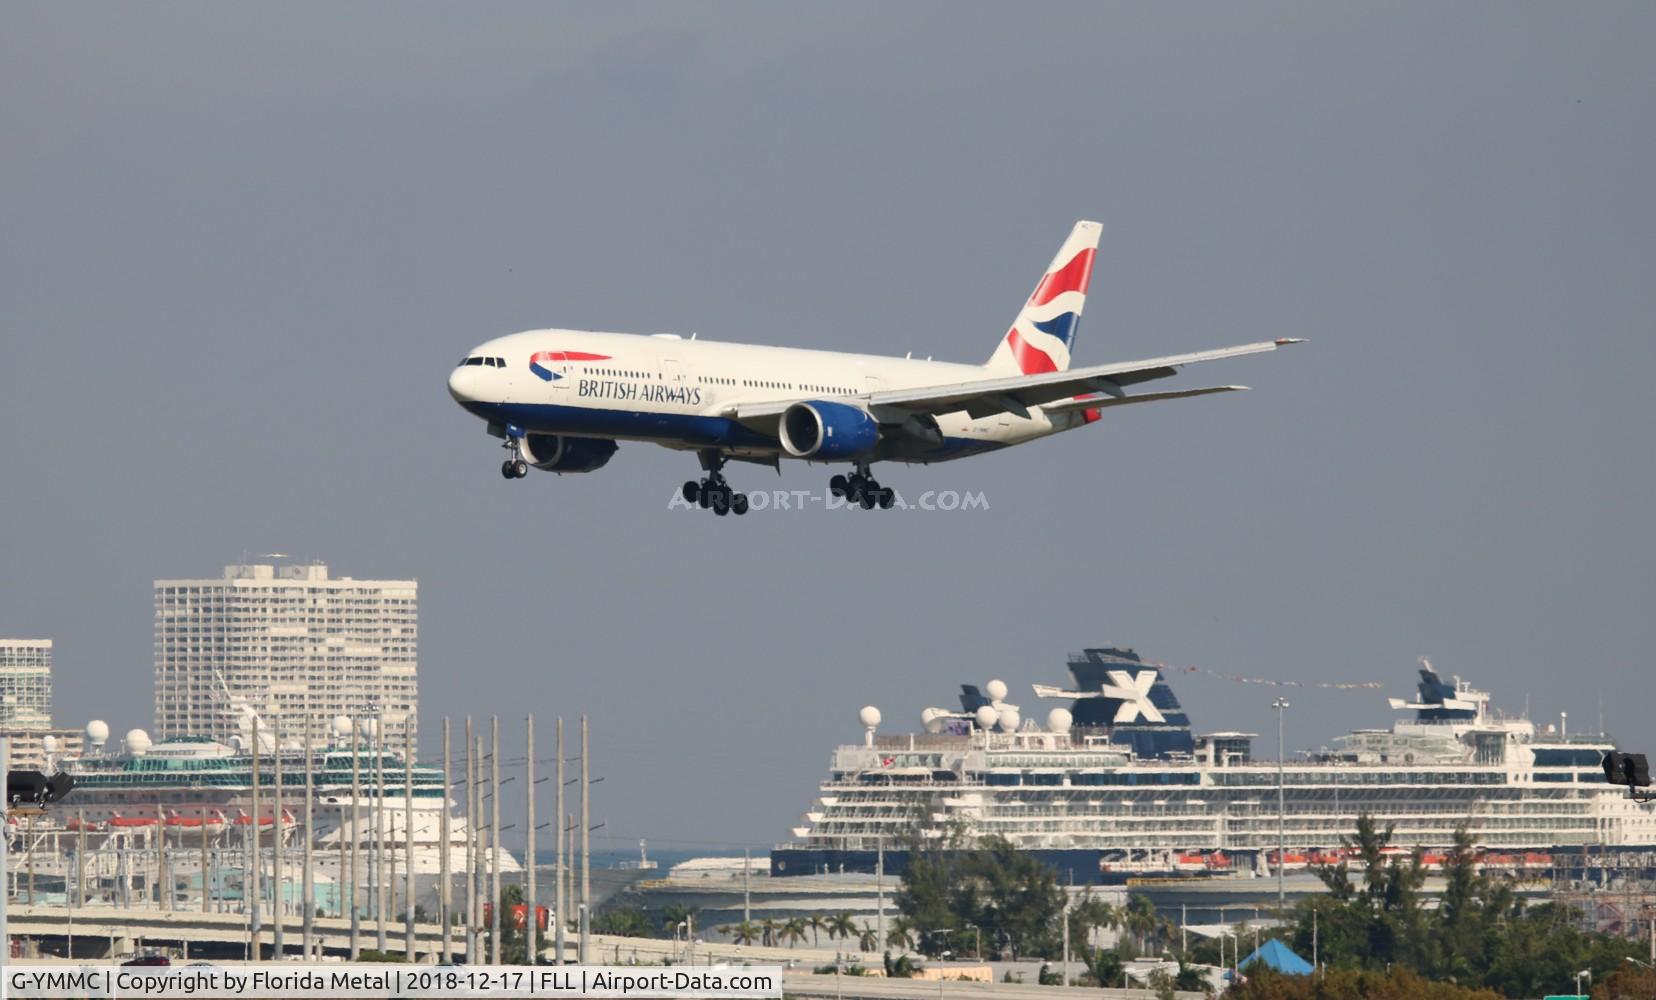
[[558, 453], [825, 431]]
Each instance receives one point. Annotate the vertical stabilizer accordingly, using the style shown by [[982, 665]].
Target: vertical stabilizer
[[1044, 332]]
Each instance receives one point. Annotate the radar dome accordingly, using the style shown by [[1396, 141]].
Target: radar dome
[[1059, 720], [97, 732], [996, 690], [869, 716], [368, 727], [137, 742], [49, 744], [929, 720], [1009, 719], [341, 726], [987, 717]]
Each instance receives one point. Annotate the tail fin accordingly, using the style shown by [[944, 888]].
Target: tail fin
[[1044, 332]]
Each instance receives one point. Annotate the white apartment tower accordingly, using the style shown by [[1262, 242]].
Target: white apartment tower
[[25, 684], [290, 642]]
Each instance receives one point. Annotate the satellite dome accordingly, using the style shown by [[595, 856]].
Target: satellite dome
[[49, 744], [996, 690], [1009, 719], [368, 727], [987, 717], [137, 742], [341, 726], [928, 719], [1059, 720], [869, 716], [97, 732]]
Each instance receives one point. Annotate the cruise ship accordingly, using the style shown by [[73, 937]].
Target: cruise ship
[[1114, 783]]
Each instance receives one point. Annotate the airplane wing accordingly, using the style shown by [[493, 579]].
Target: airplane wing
[[1099, 402], [1015, 394]]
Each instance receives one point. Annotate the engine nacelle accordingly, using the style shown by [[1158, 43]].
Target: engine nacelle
[[824, 430], [558, 453]]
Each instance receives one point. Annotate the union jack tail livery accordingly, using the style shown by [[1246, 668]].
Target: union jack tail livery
[[1043, 335]]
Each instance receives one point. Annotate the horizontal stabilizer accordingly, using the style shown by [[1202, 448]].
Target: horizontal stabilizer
[[1099, 402]]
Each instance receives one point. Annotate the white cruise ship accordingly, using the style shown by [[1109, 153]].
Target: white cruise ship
[[1113, 782]]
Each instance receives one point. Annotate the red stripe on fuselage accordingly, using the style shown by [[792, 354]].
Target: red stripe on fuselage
[[1072, 277]]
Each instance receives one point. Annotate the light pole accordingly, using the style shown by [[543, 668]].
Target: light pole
[[1587, 973], [1282, 855]]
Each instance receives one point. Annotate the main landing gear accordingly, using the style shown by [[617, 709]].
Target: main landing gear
[[863, 489], [514, 467], [713, 493]]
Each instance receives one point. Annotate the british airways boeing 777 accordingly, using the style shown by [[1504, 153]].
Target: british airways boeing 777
[[561, 399]]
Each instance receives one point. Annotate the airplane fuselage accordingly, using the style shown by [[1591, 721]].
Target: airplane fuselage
[[678, 392]]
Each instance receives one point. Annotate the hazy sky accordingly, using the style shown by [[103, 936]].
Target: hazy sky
[[241, 248]]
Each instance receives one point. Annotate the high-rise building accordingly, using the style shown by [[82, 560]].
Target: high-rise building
[[25, 684], [26, 704], [289, 642]]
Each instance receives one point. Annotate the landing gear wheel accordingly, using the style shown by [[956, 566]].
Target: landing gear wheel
[[839, 486], [704, 499], [508, 469], [721, 503], [888, 496], [691, 491], [868, 498], [520, 468], [739, 504]]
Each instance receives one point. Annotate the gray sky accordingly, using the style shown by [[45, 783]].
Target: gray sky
[[243, 246]]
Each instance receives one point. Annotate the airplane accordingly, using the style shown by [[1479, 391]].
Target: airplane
[[561, 400]]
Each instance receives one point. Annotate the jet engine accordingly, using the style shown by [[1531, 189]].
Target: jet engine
[[560, 453], [824, 431]]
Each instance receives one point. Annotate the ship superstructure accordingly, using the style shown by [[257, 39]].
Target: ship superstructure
[[1117, 779]]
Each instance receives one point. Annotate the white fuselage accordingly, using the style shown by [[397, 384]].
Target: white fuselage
[[677, 392]]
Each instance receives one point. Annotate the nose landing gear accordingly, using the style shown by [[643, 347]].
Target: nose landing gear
[[514, 467]]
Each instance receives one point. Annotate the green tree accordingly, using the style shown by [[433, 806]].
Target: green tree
[[868, 939], [793, 931], [744, 933], [816, 924], [841, 925]]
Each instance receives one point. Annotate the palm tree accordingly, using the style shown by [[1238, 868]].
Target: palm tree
[[745, 932], [842, 926], [1140, 918], [901, 934], [767, 929], [816, 924], [794, 931], [867, 939]]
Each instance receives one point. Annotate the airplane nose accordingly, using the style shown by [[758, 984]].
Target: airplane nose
[[462, 385]]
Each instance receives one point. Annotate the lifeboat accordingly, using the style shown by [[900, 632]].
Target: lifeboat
[[120, 822], [182, 826]]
